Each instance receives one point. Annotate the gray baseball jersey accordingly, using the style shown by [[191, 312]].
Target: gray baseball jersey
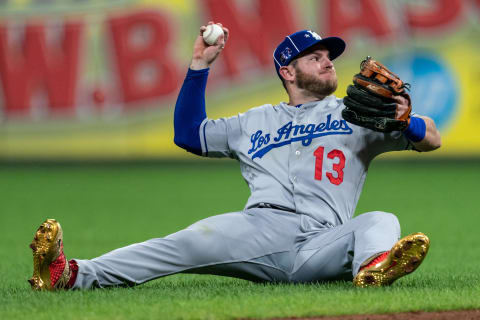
[[305, 167], [304, 158]]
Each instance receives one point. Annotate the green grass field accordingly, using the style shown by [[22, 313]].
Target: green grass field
[[105, 207]]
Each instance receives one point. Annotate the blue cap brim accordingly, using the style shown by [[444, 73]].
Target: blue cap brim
[[335, 46]]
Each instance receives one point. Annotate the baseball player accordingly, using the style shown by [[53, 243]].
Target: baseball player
[[305, 165]]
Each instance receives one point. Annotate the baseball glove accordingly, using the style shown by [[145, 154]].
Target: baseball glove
[[369, 101]]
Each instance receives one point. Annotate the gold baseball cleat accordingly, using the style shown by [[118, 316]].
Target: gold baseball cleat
[[404, 257], [51, 269]]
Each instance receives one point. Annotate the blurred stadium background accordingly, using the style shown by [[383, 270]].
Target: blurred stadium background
[[97, 80]]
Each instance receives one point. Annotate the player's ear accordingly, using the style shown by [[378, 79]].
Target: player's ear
[[287, 73]]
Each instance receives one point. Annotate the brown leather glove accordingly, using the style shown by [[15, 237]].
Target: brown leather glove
[[370, 101]]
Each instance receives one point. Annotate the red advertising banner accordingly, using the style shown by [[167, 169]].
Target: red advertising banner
[[99, 80]]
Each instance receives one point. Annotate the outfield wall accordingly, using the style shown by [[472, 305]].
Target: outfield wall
[[98, 79]]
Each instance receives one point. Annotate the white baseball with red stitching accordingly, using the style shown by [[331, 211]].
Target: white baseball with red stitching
[[211, 34]]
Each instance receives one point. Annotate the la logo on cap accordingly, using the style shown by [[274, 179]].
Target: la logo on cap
[[285, 55]]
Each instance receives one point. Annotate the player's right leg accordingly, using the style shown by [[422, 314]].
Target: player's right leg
[[238, 244], [51, 270]]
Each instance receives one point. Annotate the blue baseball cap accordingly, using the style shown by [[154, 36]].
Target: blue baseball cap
[[300, 41]]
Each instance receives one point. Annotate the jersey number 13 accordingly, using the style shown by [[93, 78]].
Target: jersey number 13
[[337, 167]]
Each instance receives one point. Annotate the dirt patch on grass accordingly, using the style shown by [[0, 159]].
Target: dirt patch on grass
[[417, 315]]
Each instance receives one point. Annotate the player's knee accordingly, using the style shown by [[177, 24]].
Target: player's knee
[[382, 219]]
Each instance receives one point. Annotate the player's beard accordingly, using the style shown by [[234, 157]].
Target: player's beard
[[314, 85]]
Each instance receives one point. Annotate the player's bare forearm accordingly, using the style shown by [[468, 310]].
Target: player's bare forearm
[[204, 54], [198, 65], [432, 139]]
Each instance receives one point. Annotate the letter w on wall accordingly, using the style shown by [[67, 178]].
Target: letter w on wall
[[33, 63]]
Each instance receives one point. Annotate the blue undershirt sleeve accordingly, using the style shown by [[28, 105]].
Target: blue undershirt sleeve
[[190, 111]]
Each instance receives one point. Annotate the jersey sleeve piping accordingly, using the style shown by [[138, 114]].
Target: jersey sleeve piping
[[203, 137]]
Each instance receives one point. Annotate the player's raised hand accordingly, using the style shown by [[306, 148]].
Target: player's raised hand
[[204, 54]]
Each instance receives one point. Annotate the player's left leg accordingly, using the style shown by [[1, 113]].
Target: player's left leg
[[403, 258], [340, 252]]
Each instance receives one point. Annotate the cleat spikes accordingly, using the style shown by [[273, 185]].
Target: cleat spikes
[[370, 279], [407, 245], [404, 258], [410, 267]]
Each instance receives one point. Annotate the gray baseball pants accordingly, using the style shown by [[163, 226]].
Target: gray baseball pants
[[259, 244]]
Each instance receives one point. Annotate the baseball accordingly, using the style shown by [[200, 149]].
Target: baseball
[[211, 34]]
